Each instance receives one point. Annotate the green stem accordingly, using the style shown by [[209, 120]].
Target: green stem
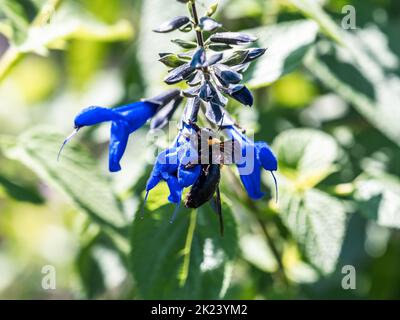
[[13, 54]]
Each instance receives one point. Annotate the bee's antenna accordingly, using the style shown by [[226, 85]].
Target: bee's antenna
[[66, 141], [175, 213], [276, 187], [144, 203]]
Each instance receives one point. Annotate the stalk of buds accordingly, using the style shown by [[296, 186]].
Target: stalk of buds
[[212, 70]]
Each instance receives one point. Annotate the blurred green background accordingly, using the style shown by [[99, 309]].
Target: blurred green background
[[327, 99]]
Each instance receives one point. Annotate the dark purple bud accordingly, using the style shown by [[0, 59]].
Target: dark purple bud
[[178, 74], [207, 91], [242, 94], [164, 98], [195, 79], [226, 75], [209, 24], [191, 92], [234, 38], [214, 112], [241, 67], [214, 59], [173, 24], [184, 44], [199, 58], [161, 118], [254, 53], [192, 110]]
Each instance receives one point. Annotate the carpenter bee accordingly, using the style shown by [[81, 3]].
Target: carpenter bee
[[212, 153]]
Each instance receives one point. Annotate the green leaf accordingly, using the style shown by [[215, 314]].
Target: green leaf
[[286, 43], [21, 191], [306, 157], [187, 259], [378, 198], [313, 10], [355, 71], [155, 12], [16, 15], [76, 174], [317, 221], [358, 76]]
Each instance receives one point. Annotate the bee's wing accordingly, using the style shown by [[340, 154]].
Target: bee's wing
[[231, 152]]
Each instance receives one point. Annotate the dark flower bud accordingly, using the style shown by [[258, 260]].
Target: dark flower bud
[[184, 44], [214, 112], [241, 94], [207, 91], [226, 75], [178, 74], [241, 67], [173, 24], [191, 92], [161, 118], [199, 58], [208, 24], [214, 59], [164, 98], [234, 38], [192, 110], [254, 53], [195, 79]]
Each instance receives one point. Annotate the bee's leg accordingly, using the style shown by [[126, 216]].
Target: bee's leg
[[219, 211]]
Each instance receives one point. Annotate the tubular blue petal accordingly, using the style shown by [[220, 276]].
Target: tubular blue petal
[[266, 156], [252, 181], [175, 190], [118, 141], [188, 176], [136, 114], [95, 115], [153, 181], [167, 161]]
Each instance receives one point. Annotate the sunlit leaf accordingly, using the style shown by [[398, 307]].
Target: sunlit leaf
[[76, 174], [187, 259], [378, 197], [286, 43], [318, 223]]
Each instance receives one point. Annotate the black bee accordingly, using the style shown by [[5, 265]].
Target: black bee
[[207, 185]]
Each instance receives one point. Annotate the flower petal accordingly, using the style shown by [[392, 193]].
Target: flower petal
[[251, 181], [94, 115], [266, 156], [118, 141], [136, 114], [188, 176], [175, 190]]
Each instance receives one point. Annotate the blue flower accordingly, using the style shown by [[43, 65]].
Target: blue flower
[[124, 121], [174, 166], [255, 155]]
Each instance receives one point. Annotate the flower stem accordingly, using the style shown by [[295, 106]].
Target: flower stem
[[199, 33]]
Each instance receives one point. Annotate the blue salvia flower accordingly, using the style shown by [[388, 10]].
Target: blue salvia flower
[[173, 166], [124, 120], [255, 155]]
